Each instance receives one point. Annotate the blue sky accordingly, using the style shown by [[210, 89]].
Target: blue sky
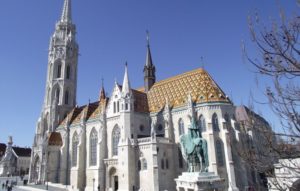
[[111, 32]]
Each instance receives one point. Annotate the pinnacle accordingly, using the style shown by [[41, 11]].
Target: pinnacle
[[67, 13]]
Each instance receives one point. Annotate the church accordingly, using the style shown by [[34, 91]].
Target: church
[[128, 139]]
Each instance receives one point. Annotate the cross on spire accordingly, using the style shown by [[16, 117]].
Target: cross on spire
[[148, 38]]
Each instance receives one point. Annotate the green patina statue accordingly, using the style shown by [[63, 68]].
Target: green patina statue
[[194, 149]]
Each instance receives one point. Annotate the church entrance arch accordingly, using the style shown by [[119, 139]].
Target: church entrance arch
[[113, 179]]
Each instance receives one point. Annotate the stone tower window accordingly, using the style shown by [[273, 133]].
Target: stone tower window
[[201, 124], [68, 74], [162, 163], [58, 74], [180, 127], [93, 147], [215, 123], [114, 107], [57, 94], [67, 97], [115, 140], [75, 142]]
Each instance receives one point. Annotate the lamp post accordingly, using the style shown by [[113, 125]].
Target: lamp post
[[93, 184]]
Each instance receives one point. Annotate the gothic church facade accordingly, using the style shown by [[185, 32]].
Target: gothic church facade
[[130, 139]]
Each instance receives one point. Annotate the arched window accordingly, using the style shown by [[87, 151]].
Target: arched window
[[75, 142], [219, 150], [181, 127], [162, 163], [114, 107], [115, 140], [167, 164], [215, 123], [201, 123], [144, 162], [118, 106], [67, 97], [68, 73], [57, 94], [58, 74], [93, 147]]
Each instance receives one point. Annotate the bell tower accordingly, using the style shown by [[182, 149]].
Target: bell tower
[[60, 91], [61, 80]]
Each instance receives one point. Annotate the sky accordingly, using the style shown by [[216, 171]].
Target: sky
[[184, 35]]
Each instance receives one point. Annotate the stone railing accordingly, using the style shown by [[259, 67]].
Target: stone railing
[[144, 140], [111, 162]]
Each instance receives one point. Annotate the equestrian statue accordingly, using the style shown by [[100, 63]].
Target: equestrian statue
[[194, 149]]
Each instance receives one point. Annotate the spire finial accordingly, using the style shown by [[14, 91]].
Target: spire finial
[[66, 14], [148, 38], [202, 62], [102, 82]]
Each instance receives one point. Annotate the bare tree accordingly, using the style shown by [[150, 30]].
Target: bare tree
[[278, 58]]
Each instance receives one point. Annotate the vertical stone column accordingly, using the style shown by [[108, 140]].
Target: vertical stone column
[[212, 151], [229, 162]]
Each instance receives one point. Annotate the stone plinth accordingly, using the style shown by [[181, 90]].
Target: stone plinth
[[199, 181]]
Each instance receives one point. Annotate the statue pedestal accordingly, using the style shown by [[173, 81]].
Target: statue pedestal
[[199, 181]]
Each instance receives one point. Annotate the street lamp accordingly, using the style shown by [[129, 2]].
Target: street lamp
[[93, 184]]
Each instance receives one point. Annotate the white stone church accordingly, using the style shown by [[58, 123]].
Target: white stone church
[[129, 140]]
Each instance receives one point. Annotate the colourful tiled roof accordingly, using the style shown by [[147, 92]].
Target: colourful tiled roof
[[176, 89]]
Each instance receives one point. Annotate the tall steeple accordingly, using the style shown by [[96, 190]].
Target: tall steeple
[[60, 91], [67, 12], [149, 68]]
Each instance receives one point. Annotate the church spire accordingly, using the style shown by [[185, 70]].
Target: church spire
[[126, 84], [148, 56], [149, 68], [102, 92], [67, 13]]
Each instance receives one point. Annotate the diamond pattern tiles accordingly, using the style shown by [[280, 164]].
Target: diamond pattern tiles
[[176, 89]]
